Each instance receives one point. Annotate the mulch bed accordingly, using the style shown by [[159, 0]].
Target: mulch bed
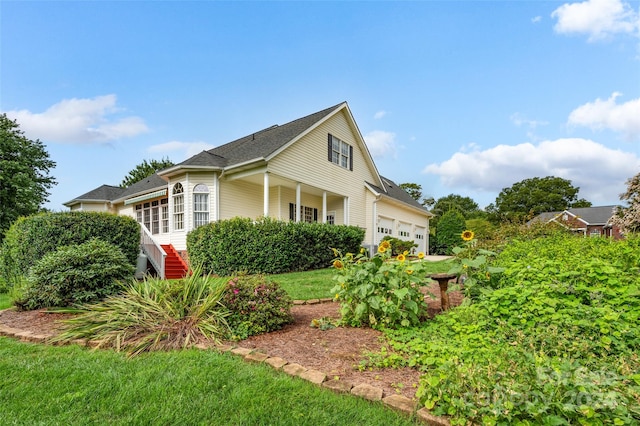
[[337, 352]]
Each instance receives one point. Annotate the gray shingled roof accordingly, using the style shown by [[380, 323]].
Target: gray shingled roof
[[594, 215], [599, 215], [394, 191], [102, 193], [147, 184], [260, 144]]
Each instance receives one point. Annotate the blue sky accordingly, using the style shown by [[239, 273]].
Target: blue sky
[[463, 97]]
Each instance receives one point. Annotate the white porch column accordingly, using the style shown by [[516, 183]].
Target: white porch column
[[216, 199], [298, 213], [266, 194], [324, 207], [346, 210]]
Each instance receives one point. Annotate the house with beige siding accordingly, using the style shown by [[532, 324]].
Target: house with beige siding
[[315, 169]]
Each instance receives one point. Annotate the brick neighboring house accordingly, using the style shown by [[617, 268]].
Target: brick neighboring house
[[589, 221]]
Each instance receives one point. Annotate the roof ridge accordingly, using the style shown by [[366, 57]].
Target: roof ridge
[[276, 126]]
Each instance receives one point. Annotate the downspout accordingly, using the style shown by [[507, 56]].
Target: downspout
[[374, 227]]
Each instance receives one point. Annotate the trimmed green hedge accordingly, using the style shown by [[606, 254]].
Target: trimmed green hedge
[[268, 246], [30, 238]]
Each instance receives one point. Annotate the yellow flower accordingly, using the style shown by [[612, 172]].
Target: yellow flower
[[468, 235], [409, 271], [362, 250], [401, 257], [381, 248], [385, 244], [338, 264], [421, 255], [406, 252], [336, 296]]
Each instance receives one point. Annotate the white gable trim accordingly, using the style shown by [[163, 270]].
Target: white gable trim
[[145, 197], [358, 136]]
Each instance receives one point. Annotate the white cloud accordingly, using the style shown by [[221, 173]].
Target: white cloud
[[607, 114], [536, 19], [598, 171], [79, 121], [378, 115], [520, 120], [381, 143], [597, 18], [184, 149]]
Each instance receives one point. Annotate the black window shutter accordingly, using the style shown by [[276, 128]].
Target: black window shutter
[[330, 147], [315, 215], [350, 158], [292, 212]]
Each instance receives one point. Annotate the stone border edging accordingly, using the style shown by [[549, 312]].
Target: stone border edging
[[363, 390]]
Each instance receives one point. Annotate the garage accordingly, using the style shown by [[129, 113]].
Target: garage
[[385, 227], [420, 238]]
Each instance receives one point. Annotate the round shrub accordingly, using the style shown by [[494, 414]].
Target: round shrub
[[256, 306], [31, 238], [74, 275]]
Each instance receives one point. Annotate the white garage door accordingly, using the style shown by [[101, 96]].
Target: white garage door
[[420, 238], [385, 227]]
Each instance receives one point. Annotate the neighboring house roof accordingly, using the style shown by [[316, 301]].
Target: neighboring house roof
[[395, 191], [103, 193], [599, 215]]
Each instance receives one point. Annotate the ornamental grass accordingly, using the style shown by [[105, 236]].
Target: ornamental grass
[[152, 315]]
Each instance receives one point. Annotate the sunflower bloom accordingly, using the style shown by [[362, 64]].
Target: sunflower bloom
[[468, 235], [409, 271], [381, 248], [385, 244], [421, 255], [401, 257], [338, 264]]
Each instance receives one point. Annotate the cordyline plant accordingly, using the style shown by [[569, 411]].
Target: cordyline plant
[[152, 315], [382, 291]]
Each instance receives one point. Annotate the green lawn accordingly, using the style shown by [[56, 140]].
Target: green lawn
[[316, 284], [70, 385], [5, 301]]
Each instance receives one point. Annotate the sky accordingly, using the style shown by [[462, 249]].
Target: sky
[[460, 97]]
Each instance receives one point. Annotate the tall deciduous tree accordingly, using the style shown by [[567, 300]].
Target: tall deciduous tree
[[144, 169], [465, 205], [415, 190], [24, 174], [628, 218], [530, 197], [449, 232]]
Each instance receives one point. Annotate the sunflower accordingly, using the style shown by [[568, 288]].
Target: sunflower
[[409, 271], [420, 255], [468, 235], [401, 257], [338, 264], [386, 244]]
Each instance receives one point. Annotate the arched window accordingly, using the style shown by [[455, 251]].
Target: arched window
[[200, 205], [178, 206]]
